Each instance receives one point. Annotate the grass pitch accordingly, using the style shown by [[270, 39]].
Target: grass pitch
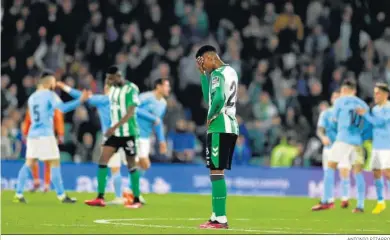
[[181, 214]]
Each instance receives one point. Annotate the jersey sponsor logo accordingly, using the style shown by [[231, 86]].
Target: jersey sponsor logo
[[215, 82]]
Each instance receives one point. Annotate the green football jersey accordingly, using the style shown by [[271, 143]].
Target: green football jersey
[[220, 92], [121, 98]]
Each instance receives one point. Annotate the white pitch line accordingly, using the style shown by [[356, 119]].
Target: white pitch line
[[153, 219], [67, 225], [242, 219], [195, 228], [124, 222], [163, 219], [107, 221], [161, 226], [268, 230], [311, 220]]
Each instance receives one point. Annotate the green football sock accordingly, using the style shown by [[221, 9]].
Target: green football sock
[[102, 180], [219, 195], [212, 178], [134, 179]]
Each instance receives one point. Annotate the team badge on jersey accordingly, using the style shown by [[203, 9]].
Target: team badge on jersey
[[214, 82]]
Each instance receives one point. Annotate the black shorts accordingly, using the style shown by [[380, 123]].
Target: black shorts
[[127, 143], [219, 150]]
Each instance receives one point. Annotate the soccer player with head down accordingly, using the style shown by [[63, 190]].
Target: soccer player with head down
[[123, 133], [327, 132], [220, 92], [41, 142], [150, 114], [380, 158], [347, 150], [102, 104]]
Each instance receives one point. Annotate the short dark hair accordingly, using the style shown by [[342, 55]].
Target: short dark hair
[[159, 81], [46, 73], [350, 84], [383, 86], [204, 49], [113, 70]]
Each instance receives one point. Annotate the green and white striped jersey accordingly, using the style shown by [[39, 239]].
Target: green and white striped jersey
[[121, 98], [221, 95]]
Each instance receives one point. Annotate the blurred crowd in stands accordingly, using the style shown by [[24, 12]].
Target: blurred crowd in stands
[[289, 56]]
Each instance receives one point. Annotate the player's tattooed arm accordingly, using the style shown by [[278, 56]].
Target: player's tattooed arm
[[321, 133]]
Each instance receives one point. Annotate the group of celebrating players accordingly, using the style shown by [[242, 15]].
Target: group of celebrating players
[[344, 129], [123, 128], [127, 120]]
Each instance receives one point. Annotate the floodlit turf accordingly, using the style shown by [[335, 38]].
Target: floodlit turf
[[181, 214]]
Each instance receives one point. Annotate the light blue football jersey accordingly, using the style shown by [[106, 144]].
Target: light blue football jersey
[[149, 110], [380, 120], [350, 125], [41, 105]]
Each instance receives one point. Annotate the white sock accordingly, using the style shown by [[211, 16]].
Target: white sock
[[331, 200], [344, 198], [382, 201], [221, 219], [213, 217]]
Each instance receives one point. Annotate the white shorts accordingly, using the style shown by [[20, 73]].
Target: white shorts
[[143, 147], [117, 159], [43, 148], [380, 159], [326, 154], [346, 155]]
